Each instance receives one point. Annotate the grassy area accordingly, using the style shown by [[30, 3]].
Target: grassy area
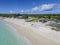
[[57, 26], [33, 20]]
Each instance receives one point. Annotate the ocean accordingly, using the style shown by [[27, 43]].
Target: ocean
[[8, 37]]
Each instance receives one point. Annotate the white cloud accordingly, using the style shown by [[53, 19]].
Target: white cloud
[[35, 9], [43, 7], [47, 7], [40, 8]]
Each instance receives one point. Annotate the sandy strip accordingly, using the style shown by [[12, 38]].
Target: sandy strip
[[35, 38]]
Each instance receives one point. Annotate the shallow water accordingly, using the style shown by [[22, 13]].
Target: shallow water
[[7, 36]]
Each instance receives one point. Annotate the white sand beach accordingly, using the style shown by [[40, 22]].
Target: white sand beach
[[38, 33]]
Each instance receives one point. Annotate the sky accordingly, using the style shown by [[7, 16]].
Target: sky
[[30, 6]]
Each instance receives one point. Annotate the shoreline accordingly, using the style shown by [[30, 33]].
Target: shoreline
[[33, 36], [23, 38]]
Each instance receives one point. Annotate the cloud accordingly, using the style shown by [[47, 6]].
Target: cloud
[[47, 7], [35, 9], [43, 7]]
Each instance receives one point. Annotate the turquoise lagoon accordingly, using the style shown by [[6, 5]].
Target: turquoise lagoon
[[7, 35]]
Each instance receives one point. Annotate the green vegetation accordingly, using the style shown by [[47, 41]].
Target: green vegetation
[[7, 15], [33, 20], [57, 26], [46, 16], [35, 17]]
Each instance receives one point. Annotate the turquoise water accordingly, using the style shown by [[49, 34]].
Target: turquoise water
[[7, 37]]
